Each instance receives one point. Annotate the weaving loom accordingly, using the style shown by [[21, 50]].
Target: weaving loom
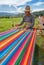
[[17, 47]]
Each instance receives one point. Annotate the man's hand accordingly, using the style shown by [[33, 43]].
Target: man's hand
[[17, 25]]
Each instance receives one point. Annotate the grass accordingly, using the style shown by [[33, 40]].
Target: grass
[[6, 23], [39, 51]]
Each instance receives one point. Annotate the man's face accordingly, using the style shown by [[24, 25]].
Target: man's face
[[27, 13]]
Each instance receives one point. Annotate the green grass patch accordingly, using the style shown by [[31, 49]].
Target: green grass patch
[[6, 23]]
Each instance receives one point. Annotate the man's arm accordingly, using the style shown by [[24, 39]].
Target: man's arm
[[20, 22]]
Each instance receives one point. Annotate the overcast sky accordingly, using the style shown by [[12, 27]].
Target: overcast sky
[[16, 6]]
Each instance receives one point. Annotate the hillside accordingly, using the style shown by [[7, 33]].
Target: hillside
[[4, 14], [39, 13]]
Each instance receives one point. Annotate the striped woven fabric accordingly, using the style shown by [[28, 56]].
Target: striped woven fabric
[[17, 47]]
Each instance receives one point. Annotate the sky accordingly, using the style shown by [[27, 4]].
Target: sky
[[18, 6]]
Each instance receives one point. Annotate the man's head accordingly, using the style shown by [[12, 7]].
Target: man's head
[[27, 10]]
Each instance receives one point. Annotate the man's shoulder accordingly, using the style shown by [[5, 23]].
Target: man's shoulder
[[24, 16]]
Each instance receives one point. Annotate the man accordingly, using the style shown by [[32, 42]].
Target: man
[[28, 19]]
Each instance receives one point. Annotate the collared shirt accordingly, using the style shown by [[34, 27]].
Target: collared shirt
[[29, 20]]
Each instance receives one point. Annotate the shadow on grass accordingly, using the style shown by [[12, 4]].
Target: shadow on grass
[[38, 55]]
